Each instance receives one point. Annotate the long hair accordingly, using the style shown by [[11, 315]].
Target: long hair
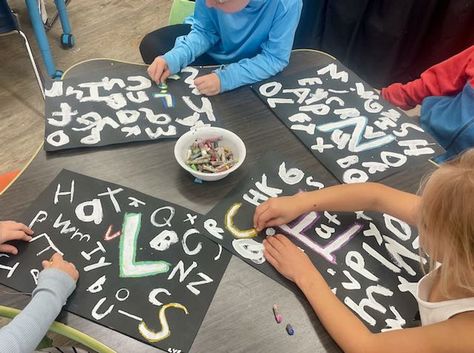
[[446, 222]]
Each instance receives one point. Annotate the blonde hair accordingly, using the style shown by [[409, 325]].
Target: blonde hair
[[446, 222]]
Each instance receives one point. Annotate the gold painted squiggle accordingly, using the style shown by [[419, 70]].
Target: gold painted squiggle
[[152, 336], [236, 232]]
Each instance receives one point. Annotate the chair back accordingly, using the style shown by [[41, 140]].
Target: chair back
[[64, 330], [7, 18], [180, 10]]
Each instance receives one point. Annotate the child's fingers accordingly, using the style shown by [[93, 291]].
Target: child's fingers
[[158, 74], [154, 69], [265, 218], [278, 244], [209, 89], [16, 235], [8, 249], [25, 229], [164, 76], [207, 92], [204, 89], [270, 258], [206, 85], [201, 86], [56, 257], [46, 264], [258, 212], [275, 222], [267, 247], [202, 81], [199, 81], [213, 91], [283, 240], [26, 237], [19, 226], [272, 247]]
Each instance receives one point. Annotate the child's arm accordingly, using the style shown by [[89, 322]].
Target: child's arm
[[351, 197], [274, 55], [453, 335], [443, 79], [55, 284], [201, 38]]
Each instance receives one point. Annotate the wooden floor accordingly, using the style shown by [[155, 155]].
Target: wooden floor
[[106, 28]]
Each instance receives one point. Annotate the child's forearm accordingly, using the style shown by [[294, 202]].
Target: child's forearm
[[343, 326], [24, 332], [362, 197]]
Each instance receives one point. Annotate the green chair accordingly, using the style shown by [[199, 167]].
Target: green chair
[[180, 10], [63, 330]]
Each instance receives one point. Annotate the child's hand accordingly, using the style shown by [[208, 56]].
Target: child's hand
[[288, 259], [277, 211], [59, 263], [209, 85], [158, 70], [10, 230]]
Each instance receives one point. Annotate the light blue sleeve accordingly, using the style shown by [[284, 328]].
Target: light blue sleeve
[[24, 332], [202, 37], [273, 58]]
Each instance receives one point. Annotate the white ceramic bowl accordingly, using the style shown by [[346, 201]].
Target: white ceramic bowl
[[229, 139]]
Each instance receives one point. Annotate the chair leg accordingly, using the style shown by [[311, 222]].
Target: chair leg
[[42, 10], [51, 21], [41, 37], [67, 39], [33, 63], [63, 17]]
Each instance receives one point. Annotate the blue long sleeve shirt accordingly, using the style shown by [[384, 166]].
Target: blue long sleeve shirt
[[253, 44], [24, 332]]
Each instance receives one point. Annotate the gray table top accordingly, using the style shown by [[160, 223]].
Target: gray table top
[[240, 318]]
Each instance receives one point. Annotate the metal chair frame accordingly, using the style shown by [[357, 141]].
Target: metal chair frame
[[35, 66]]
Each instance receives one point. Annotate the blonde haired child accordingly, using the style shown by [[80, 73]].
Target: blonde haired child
[[444, 214]]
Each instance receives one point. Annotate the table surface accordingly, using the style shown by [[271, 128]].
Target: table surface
[[240, 318]]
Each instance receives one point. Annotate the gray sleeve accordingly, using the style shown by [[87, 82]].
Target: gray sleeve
[[24, 333]]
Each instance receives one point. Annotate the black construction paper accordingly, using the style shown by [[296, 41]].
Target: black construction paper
[[345, 123], [123, 105], [370, 261], [123, 282]]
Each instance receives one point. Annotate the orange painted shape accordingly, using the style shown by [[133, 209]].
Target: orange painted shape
[[6, 179]]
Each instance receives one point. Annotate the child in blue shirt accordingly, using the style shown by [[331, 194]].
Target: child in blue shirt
[[251, 39]]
